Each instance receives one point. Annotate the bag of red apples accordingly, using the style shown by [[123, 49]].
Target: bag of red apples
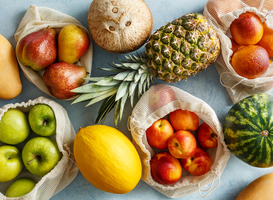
[[170, 127], [245, 28]]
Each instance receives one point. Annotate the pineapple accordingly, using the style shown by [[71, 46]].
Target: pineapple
[[174, 52]]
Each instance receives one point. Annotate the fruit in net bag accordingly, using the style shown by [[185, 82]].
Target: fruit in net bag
[[159, 133], [60, 78], [267, 40], [251, 61], [10, 163], [42, 120], [73, 42], [206, 137], [182, 144], [38, 50], [247, 29], [198, 164], [165, 168], [184, 120], [14, 127], [40, 155], [20, 187], [176, 51]]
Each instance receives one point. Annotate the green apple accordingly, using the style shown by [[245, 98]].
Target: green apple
[[10, 163], [42, 120], [40, 155], [14, 127], [20, 187]]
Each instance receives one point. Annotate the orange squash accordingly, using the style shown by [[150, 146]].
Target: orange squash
[[261, 188], [10, 82]]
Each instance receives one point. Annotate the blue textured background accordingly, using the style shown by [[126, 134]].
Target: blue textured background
[[205, 85]]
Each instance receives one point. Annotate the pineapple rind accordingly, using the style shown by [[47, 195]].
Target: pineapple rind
[[182, 48]]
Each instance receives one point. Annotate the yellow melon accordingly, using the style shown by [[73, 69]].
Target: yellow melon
[[107, 159]]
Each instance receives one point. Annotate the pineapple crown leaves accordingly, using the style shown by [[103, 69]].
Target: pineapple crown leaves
[[115, 89]]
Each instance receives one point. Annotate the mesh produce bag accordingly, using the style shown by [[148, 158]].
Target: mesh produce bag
[[157, 103], [220, 14], [64, 172], [37, 18]]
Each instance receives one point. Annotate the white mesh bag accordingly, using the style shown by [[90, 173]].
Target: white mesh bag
[[37, 18], [158, 102], [220, 14], [64, 172]]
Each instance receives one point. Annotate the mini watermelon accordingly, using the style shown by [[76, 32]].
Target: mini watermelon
[[248, 130]]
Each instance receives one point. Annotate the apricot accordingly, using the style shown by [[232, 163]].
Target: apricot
[[247, 29], [267, 40], [234, 46], [251, 61]]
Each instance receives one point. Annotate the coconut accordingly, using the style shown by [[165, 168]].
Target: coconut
[[120, 26]]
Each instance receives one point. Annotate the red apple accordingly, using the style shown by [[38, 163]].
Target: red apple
[[206, 137], [159, 133], [165, 169], [60, 78], [198, 164], [182, 144], [184, 120], [160, 96]]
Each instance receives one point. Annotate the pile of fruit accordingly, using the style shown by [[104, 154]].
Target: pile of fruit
[[252, 45], [56, 54], [181, 149], [40, 153]]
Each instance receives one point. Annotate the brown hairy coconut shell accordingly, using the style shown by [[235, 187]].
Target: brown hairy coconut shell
[[120, 26]]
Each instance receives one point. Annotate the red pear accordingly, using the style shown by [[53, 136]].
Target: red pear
[[60, 78], [38, 50]]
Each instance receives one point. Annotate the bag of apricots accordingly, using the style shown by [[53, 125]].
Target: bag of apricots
[[245, 28], [155, 125]]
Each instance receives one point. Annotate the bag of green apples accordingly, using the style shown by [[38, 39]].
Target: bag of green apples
[[52, 46], [165, 115], [36, 140]]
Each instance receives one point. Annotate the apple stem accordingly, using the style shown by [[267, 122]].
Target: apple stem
[[44, 123], [35, 157]]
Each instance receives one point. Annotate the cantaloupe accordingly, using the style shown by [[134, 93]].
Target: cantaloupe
[[10, 82], [259, 189]]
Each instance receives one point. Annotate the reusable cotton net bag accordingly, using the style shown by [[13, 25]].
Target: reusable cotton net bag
[[158, 102], [37, 18], [220, 14], [64, 172]]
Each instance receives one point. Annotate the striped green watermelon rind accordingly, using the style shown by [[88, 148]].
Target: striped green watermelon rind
[[243, 130]]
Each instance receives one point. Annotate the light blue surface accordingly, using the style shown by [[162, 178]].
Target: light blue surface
[[205, 85]]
